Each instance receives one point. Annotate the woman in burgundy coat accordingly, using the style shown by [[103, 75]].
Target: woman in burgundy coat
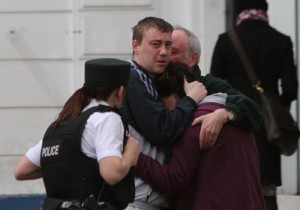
[[271, 54], [224, 177]]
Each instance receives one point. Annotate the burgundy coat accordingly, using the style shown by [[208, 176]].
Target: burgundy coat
[[224, 177]]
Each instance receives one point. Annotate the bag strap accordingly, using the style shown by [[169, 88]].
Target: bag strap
[[245, 60]]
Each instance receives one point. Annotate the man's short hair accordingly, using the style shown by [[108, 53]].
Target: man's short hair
[[147, 23]]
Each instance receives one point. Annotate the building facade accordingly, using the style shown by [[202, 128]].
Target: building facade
[[44, 45]]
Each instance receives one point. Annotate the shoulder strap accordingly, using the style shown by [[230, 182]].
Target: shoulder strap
[[77, 125], [244, 59]]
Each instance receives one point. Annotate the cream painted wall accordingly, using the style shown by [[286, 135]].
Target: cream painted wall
[[43, 49]]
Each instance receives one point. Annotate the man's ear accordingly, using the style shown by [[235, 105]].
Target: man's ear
[[135, 46], [194, 59]]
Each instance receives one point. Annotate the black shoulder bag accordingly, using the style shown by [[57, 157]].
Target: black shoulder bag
[[281, 129]]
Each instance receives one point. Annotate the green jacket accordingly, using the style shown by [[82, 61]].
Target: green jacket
[[248, 112]]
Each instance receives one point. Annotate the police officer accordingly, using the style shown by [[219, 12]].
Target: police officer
[[86, 156]]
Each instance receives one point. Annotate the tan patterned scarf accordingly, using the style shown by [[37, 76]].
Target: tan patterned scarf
[[252, 14]]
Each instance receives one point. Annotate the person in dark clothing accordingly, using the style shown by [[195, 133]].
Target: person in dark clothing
[[225, 176], [86, 154], [271, 55], [186, 49]]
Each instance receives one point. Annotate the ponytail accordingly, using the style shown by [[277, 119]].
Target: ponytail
[[80, 99]]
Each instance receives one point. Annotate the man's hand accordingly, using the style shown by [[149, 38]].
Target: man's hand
[[195, 90], [211, 126], [132, 147]]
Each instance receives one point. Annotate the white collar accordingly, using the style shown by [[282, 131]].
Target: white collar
[[94, 103]]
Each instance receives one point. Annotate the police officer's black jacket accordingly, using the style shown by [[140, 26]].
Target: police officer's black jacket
[[68, 174]]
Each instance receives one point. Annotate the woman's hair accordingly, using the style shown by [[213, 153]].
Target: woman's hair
[[172, 80], [80, 99]]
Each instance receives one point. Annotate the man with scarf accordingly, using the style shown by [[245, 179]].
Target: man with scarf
[[271, 54]]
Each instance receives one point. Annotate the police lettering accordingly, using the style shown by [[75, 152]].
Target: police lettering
[[50, 151]]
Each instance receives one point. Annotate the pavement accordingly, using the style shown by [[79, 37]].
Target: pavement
[[288, 202]]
